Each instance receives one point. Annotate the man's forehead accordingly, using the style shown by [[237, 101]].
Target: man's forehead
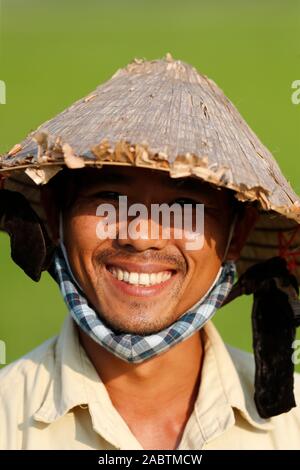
[[129, 176]]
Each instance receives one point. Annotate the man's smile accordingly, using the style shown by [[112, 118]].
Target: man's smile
[[140, 279]]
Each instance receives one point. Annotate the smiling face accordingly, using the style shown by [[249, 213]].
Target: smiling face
[[142, 285]]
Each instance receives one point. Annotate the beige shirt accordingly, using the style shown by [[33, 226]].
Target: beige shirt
[[54, 399]]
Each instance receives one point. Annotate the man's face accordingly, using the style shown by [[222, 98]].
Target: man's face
[[143, 285]]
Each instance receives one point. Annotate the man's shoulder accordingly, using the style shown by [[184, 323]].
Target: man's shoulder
[[245, 366], [37, 364], [23, 386], [243, 362]]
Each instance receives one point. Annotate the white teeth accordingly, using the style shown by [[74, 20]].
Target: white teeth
[[144, 279], [120, 274], [152, 278], [133, 278]]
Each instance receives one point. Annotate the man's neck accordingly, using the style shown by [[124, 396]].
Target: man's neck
[[158, 392]]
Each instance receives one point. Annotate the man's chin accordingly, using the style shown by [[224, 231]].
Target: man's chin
[[142, 328]]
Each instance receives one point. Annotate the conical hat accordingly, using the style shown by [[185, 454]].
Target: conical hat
[[164, 114]]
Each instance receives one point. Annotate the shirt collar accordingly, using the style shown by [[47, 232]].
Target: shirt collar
[[75, 382]]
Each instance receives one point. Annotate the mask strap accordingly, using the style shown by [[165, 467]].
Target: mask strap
[[231, 230], [64, 251]]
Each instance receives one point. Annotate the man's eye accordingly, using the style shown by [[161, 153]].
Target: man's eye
[[112, 195]]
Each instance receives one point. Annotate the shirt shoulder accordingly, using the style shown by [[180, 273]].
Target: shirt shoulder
[[245, 366], [26, 368], [22, 386]]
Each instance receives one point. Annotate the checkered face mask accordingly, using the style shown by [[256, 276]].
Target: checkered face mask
[[133, 347]]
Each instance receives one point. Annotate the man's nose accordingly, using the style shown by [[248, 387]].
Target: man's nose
[[141, 235]]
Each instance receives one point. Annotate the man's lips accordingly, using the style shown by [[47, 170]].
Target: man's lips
[[141, 268]]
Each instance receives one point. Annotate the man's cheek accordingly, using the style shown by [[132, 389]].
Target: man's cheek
[[83, 232]]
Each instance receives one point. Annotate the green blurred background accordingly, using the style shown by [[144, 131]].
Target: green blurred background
[[54, 52]]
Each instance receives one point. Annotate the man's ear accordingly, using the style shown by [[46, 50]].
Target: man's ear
[[51, 209], [244, 224]]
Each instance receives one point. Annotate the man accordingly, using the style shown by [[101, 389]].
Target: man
[[138, 364]]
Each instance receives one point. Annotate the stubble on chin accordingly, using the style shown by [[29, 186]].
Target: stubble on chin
[[138, 319]]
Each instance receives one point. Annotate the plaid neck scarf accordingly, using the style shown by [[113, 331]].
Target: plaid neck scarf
[[137, 348]]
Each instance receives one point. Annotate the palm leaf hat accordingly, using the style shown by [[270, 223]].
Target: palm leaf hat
[[165, 115]]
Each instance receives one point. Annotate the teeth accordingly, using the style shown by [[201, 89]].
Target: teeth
[[144, 279], [133, 278], [120, 274]]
